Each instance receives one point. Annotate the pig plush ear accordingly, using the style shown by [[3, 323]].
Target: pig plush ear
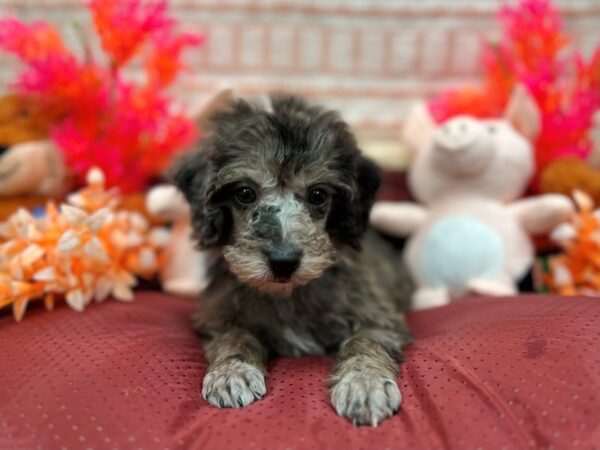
[[523, 113], [418, 128]]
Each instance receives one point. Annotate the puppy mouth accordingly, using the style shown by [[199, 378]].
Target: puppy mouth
[[278, 289], [282, 280]]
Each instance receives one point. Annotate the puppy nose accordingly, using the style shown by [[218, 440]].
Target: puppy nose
[[283, 260]]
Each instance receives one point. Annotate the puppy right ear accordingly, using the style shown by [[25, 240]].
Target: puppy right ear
[[211, 220], [349, 215]]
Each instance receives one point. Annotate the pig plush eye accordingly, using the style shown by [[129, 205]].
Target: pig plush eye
[[491, 129]]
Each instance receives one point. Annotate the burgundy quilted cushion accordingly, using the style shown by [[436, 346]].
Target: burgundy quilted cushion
[[483, 373]]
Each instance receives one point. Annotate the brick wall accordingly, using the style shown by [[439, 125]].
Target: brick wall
[[368, 58]]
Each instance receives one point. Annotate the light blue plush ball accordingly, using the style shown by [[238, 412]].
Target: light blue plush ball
[[459, 249]]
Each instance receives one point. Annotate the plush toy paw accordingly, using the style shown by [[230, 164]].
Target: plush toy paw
[[491, 287], [430, 297], [233, 384], [365, 398]]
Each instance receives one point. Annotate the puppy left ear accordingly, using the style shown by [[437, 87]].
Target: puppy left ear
[[211, 220], [349, 215]]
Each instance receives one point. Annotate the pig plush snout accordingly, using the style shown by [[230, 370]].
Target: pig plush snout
[[462, 147]]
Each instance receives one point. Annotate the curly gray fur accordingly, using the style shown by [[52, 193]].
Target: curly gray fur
[[349, 290]]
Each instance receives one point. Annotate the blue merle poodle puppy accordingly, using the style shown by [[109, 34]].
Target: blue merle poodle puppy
[[281, 192]]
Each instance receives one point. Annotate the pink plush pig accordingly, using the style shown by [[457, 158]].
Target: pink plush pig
[[471, 234]]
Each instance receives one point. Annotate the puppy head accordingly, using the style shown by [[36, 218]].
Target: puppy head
[[281, 187]]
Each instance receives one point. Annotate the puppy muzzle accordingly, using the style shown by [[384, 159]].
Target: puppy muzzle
[[283, 261]]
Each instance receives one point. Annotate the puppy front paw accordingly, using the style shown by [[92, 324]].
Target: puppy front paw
[[365, 398], [233, 384]]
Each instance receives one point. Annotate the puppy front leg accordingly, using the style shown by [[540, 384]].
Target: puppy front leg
[[236, 371], [364, 387]]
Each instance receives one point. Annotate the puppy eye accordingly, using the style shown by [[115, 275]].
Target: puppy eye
[[245, 195], [317, 196]]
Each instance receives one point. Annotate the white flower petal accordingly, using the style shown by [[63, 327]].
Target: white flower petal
[[122, 292], [6, 247], [98, 219], [31, 254], [47, 274], [72, 280], [88, 280], [76, 200], [19, 308], [119, 238], [134, 239], [68, 241], [66, 266], [126, 278], [4, 258], [95, 249], [103, 289], [17, 271], [20, 222], [23, 216], [561, 275], [138, 221], [76, 299], [33, 233], [5, 230], [73, 215], [18, 287]]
